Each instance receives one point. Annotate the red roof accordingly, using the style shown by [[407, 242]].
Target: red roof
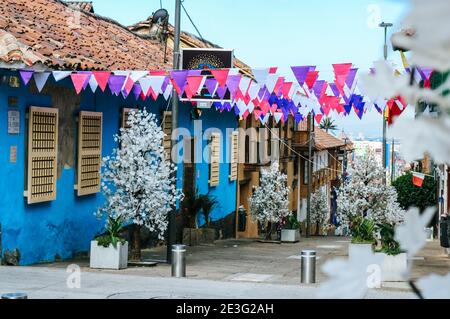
[[65, 37]]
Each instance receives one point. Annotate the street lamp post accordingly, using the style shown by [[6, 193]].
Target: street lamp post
[[171, 238], [385, 25]]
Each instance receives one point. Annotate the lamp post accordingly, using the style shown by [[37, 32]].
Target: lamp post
[[385, 25], [171, 238]]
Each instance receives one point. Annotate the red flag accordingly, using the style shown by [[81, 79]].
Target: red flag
[[102, 78], [194, 83], [418, 179], [221, 76]]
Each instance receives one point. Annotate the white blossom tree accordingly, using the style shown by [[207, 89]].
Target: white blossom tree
[[269, 201], [319, 209], [138, 181], [364, 194]]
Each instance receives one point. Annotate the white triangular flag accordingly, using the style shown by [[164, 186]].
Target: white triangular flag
[[244, 84], [93, 84], [40, 79], [156, 82], [168, 92], [145, 84], [59, 75], [253, 90], [136, 75], [261, 75], [277, 116], [271, 81]]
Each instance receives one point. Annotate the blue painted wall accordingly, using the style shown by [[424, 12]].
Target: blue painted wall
[[67, 225]]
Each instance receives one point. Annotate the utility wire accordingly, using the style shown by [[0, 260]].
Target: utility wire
[[192, 22]]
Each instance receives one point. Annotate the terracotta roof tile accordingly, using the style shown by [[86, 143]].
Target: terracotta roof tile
[[64, 37], [83, 5], [324, 140]]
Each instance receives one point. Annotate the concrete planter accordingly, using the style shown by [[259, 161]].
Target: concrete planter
[[109, 257], [393, 267], [207, 236], [358, 249], [290, 235]]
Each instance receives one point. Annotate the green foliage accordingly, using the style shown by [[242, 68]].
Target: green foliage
[[194, 203], [292, 222], [409, 195], [327, 124], [208, 203], [362, 230], [113, 230], [388, 244]]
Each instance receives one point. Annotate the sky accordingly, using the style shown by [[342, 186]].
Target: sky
[[286, 33]]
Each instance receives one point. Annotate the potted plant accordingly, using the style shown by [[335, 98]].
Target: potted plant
[[362, 230], [395, 261], [291, 230], [110, 250], [208, 203], [191, 207]]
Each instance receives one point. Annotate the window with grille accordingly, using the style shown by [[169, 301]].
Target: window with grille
[[89, 153], [42, 155], [214, 160], [167, 129], [234, 156], [125, 115]]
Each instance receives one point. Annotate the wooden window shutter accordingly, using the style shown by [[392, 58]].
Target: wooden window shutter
[[167, 129], [234, 156], [125, 114], [214, 160], [42, 158], [89, 153]]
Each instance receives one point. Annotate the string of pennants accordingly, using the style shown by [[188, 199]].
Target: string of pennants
[[267, 94]]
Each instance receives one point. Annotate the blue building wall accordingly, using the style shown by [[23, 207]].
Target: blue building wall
[[66, 226]]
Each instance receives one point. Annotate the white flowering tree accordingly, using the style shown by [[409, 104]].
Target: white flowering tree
[[319, 210], [138, 181], [365, 195], [269, 201]]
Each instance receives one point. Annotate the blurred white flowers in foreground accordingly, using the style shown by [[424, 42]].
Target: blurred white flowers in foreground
[[351, 278], [411, 234]]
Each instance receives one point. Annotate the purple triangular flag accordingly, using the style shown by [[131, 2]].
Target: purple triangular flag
[[136, 91], [236, 110], [334, 88], [26, 75], [348, 108], [116, 83], [233, 83], [351, 77], [300, 73], [165, 84], [179, 77], [317, 88], [211, 85], [227, 106], [221, 91]]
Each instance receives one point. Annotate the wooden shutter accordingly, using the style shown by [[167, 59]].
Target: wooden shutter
[[42, 154], [89, 153], [214, 160], [125, 114], [167, 129], [234, 156]]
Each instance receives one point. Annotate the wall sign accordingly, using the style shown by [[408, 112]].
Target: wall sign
[[13, 122], [13, 154]]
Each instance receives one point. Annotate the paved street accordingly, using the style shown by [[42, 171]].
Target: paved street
[[229, 269], [40, 282]]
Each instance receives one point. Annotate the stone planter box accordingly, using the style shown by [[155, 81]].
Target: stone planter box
[[358, 249], [290, 235], [109, 257], [393, 268], [207, 236]]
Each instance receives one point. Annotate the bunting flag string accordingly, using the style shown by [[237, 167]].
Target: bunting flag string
[[264, 94]]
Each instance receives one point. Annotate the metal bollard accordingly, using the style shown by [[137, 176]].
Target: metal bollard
[[178, 261], [16, 295], [308, 271]]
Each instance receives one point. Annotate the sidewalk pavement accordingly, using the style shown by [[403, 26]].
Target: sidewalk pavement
[[230, 268]]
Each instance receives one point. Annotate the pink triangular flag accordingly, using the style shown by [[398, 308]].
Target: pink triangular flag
[[78, 80]]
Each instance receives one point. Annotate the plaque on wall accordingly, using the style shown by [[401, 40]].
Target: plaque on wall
[[13, 122]]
